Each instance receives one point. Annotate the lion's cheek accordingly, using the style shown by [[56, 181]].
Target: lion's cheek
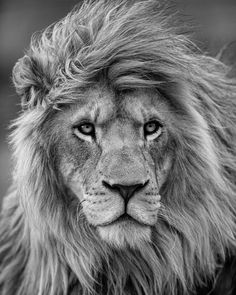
[[100, 210], [76, 189]]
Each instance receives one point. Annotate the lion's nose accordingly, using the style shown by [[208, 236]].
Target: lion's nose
[[126, 191]]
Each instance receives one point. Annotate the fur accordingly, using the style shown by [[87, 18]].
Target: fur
[[46, 245]]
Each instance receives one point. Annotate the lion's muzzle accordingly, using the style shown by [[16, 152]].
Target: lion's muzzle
[[128, 188]]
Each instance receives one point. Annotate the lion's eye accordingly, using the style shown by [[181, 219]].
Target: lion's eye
[[86, 129], [152, 129]]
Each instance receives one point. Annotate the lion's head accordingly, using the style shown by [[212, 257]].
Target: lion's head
[[113, 154], [125, 171]]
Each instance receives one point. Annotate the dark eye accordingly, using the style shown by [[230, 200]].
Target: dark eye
[[86, 129], [152, 128]]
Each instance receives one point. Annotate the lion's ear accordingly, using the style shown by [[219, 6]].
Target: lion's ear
[[227, 55], [33, 81]]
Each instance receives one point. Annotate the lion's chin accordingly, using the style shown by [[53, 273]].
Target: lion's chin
[[125, 233]]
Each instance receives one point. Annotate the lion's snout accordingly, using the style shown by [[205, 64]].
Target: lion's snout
[[128, 186]]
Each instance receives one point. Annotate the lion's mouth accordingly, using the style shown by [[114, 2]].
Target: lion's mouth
[[125, 217]]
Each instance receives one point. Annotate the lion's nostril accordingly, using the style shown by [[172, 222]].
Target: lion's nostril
[[126, 191], [107, 185]]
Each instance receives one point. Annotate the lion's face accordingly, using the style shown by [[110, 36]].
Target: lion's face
[[114, 159]]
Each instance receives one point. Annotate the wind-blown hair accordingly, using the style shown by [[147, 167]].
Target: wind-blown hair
[[46, 245]]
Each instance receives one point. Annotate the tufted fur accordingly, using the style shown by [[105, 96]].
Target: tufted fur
[[46, 245]]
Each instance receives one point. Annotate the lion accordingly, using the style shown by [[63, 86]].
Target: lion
[[124, 161]]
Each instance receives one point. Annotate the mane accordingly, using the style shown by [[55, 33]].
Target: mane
[[46, 245]]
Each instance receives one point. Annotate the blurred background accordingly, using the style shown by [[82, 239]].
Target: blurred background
[[213, 21]]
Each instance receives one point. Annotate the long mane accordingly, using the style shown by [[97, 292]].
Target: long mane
[[46, 245]]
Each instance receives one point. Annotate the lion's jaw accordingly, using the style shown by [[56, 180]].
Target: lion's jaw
[[123, 233], [121, 159]]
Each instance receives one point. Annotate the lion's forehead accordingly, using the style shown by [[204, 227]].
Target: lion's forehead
[[102, 105]]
